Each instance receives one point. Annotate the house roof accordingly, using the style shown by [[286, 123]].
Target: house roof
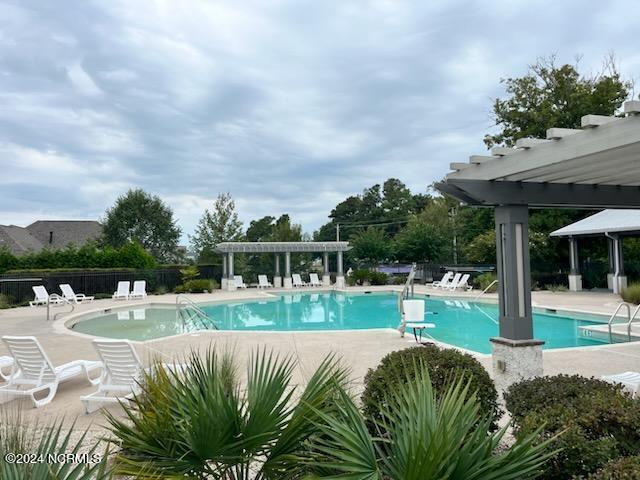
[[60, 233], [18, 240], [281, 247], [607, 221]]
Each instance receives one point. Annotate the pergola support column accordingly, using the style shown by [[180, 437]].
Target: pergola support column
[[340, 283], [619, 279], [287, 271], [224, 281], [516, 355], [231, 284], [575, 279], [277, 278], [612, 267], [326, 276]]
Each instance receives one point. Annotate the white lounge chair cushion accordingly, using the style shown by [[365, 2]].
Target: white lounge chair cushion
[[630, 380]]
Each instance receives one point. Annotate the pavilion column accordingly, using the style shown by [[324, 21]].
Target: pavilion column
[[619, 280], [287, 271], [516, 355], [231, 284], [575, 279], [340, 283], [612, 266], [326, 276], [225, 279], [277, 278]]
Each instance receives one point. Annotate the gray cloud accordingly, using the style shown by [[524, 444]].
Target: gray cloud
[[288, 105]]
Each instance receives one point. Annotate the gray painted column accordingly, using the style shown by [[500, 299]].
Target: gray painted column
[[516, 355], [231, 284], [612, 266], [287, 271], [277, 278], [575, 279], [340, 283], [223, 282], [619, 278], [326, 276]]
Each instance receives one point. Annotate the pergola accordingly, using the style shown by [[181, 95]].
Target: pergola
[[597, 166], [228, 249], [614, 225]]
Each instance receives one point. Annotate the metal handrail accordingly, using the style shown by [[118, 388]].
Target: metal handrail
[[408, 285], [633, 317], [615, 314], [183, 301], [485, 290]]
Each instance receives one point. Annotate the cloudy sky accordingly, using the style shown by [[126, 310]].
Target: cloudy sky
[[288, 105]]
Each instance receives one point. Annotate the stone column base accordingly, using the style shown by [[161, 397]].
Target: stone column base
[[287, 283], [622, 282], [610, 281], [340, 283], [231, 286], [575, 283], [223, 284], [277, 282], [515, 360], [326, 280]]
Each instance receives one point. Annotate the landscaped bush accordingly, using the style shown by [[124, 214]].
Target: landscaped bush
[[360, 276], [631, 293], [556, 287], [378, 278], [482, 281], [444, 365], [621, 469], [589, 420], [399, 279], [199, 285]]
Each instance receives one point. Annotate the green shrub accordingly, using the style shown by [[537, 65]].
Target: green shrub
[[351, 281], [360, 276], [378, 278], [161, 290], [631, 293], [556, 288], [4, 301], [189, 273], [197, 286], [597, 421], [398, 279], [627, 468], [484, 280], [443, 365]]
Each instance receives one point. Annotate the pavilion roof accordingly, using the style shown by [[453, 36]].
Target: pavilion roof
[[281, 247], [607, 221]]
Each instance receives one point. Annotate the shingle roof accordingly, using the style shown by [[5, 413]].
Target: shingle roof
[[18, 240], [60, 233]]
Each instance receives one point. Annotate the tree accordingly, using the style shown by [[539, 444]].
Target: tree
[[554, 96], [145, 219], [218, 225], [369, 246], [420, 241]]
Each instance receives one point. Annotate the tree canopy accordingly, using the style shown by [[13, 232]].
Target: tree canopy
[[145, 219], [221, 224]]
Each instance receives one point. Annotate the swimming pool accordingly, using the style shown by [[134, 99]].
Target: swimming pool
[[464, 324]]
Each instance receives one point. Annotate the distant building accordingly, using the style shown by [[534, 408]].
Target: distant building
[[48, 234]]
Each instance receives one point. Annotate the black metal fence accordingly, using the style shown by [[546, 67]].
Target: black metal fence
[[16, 288]]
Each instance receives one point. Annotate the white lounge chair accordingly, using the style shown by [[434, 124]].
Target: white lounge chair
[[6, 363], [314, 281], [139, 289], [462, 283], [263, 282], [33, 372], [239, 282], [71, 296], [452, 283], [42, 297], [121, 375], [122, 293], [413, 318], [442, 282], [630, 381], [297, 280]]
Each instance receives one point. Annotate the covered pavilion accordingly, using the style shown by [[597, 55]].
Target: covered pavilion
[[597, 166], [614, 225], [229, 249]]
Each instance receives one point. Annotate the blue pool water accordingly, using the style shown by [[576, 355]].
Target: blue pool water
[[464, 324]]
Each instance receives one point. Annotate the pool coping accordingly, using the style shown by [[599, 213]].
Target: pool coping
[[63, 325]]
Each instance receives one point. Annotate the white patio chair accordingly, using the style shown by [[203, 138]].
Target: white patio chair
[[6, 363], [314, 281], [442, 282], [239, 282], [42, 297], [139, 289], [453, 283], [629, 380], [297, 280], [122, 292], [33, 373], [263, 282], [462, 283], [71, 296], [413, 318]]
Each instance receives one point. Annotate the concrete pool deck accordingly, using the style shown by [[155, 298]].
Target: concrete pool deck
[[359, 350]]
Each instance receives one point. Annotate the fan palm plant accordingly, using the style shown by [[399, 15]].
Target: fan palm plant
[[203, 422], [421, 438]]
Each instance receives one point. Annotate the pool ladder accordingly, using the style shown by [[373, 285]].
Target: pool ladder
[[187, 310], [630, 318]]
